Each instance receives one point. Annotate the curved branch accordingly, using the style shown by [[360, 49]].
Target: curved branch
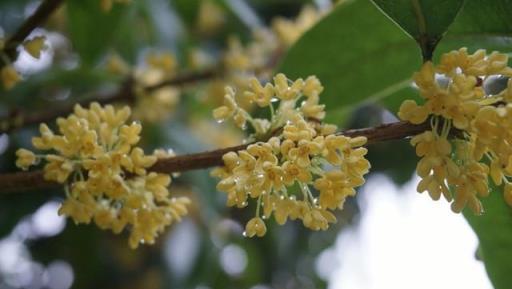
[[23, 181], [126, 93]]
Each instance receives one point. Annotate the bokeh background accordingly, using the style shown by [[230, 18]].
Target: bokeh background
[[387, 237]]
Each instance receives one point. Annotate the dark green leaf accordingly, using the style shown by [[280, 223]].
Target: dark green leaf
[[425, 21], [187, 10], [494, 230], [369, 59], [481, 24], [92, 30], [358, 54]]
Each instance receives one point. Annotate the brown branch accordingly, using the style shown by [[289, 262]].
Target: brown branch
[[186, 78], [18, 119], [23, 181], [39, 17]]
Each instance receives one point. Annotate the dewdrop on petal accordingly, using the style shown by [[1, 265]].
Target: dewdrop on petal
[[255, 227]]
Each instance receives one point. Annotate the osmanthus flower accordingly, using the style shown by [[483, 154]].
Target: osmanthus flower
[[105, 176], [257, 57], [288, 31], [459, 167], [300, 168], [9, 77], [149, 105]]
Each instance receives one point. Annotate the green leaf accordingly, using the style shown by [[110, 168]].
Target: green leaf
[[481, 24], [361, 56], [92, 30], [358, 55], [188, 10], [494, 230], [425, 21]]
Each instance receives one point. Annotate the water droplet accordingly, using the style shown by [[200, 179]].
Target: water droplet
[[244, 204], [264, 217], [281, 197], [274, 99], [244, 234], [220, 121], [142, 241]]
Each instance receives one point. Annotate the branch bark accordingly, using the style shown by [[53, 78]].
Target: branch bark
[[19, 119], [24, 181]]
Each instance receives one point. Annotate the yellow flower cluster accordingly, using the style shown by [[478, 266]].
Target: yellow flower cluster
[[258, 56], [288, 31], [210, 17], [303, 171], [156, 104], [459, 169], [105, 174], [269, 42], [106, 5]]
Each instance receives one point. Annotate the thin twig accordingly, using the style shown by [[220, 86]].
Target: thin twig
[[24, 181], [42, 13], [126, 93]]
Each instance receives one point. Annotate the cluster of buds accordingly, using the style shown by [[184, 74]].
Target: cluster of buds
[[267, 42], [105, 174], [289, 30], [241, 61], [304, 170], [459, 169], [151, 105]]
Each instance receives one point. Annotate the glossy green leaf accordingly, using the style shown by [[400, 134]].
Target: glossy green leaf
[[361, 56], [481, 24], [358, 54], [494, 230], [425, 21]]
